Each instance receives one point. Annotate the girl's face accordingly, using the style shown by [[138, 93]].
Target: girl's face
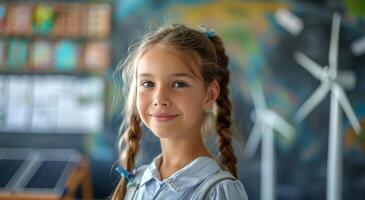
[[170, 97]]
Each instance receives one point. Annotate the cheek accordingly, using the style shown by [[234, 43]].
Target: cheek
[[142, 102], [193, 104]]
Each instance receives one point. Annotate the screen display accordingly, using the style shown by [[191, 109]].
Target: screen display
[[51, 104]]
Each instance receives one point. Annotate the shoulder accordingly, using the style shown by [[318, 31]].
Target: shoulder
[[140, 171], [142, 168], [227, 189]]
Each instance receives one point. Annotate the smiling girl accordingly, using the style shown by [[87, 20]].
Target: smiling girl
[[175, 80]]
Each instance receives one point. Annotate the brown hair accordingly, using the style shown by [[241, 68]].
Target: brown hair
[[208, 52]]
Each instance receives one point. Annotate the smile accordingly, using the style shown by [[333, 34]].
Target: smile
[[162, 117]]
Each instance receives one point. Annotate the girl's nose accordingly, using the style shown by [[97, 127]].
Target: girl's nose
[[160, 98], [161, 102]]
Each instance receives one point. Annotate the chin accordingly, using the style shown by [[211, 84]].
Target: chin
[[162, 134], [167, 133]]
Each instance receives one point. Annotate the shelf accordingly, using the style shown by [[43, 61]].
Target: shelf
[[52, 72]]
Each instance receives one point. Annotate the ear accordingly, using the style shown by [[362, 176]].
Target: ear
[[213, 91]]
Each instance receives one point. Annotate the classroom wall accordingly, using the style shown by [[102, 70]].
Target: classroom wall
[[261, 51]]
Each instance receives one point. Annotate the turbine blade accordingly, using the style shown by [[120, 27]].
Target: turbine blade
[[312, 67], [335, 33], [278, 123], [346, 79], [346, 106], [258, 97], [253, 140], [317, 96]]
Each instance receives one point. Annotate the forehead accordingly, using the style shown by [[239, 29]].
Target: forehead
[[161, 60]]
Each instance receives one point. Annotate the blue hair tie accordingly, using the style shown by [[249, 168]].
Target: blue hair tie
[[209, 33], [124, 173]]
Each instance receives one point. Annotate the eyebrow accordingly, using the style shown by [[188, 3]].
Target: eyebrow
[[174, 75]]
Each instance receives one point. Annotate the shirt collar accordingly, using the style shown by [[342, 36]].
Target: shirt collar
[[185, 177]]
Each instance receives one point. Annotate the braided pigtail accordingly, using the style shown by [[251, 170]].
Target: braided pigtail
[[224, 139], [131, 137]]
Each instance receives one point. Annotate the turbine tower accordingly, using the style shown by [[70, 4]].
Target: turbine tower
[[330, 82], [265, 123]]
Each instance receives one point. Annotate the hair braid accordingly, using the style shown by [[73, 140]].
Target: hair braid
[[132, 137], [224, 140]]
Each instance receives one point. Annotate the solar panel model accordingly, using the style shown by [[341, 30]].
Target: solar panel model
[[37, 171]]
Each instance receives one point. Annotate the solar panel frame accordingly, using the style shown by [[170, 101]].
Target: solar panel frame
[[33, 159], [16, 155]]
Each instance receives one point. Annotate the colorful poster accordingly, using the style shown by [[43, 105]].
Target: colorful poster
[[98, 23], [41, 55], [66, 55], [17, 54], [69, 20], [19, 19], [97, 56], [43, 19]]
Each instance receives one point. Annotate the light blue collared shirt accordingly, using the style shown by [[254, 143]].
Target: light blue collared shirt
[[183, 183]]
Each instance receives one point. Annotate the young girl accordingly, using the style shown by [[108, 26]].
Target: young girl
[[176, 80]]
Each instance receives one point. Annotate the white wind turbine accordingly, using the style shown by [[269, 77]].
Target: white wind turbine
[[265, 122], [330, 82]]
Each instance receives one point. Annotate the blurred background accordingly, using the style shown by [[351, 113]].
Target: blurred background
[[58, 91]]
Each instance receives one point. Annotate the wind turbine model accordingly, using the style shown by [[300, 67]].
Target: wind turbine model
[[330, 82], [266, 121]]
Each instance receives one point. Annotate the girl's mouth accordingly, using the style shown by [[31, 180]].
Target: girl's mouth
[[163, 117]]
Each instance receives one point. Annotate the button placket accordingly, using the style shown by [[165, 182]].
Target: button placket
[[160, 186]]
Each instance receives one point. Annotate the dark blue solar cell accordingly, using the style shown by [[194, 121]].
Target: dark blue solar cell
[[8, 168], [47, 175]]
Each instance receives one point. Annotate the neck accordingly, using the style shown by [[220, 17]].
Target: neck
[[177, 153]]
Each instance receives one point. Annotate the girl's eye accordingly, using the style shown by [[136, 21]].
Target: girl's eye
[[179, 84], [147, 84]]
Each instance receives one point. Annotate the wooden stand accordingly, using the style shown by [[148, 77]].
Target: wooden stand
[[79, 177]]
